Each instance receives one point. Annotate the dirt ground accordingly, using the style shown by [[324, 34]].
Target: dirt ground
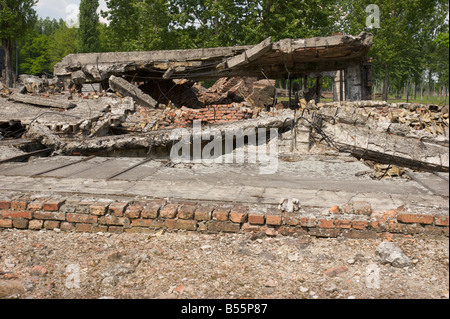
[[184, 265]]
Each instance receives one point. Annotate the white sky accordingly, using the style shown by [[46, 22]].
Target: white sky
[[62, 9]]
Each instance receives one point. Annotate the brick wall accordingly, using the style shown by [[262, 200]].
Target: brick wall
[[215, 114], [107, 215]]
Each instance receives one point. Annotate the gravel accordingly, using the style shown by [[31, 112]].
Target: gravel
[[190, 265]]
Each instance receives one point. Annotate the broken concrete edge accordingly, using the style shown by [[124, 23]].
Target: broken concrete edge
[[126, 89], [74, 213]]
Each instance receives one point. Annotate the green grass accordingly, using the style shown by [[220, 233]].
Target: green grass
[[392, 99], [424, 100]]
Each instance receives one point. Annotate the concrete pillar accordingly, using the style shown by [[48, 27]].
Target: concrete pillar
[[338, 86], [354, 83]]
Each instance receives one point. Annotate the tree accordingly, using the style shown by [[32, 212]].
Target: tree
[[62, 42], [406, 26], [16, 18], [88, 33]]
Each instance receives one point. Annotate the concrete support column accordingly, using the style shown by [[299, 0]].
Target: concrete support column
[[354, 83], [339, 86]]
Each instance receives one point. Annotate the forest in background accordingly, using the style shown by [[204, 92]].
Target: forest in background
[[410, 52]]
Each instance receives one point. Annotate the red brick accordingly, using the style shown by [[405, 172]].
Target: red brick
[[51, 224], [326, 223], [117, 209], [151, 210], [83, 228], [98, 209], [408, 218], [441, 221], [19, 204], [253, 228], [111, 220], [16, 214], [274, 220], [181, 224], [435, 230], [239, 214], [52, 205], [20, 223], [360, 224], [308, 222], [5, 223], [221, 214], [65, 226], [80, 218], [35, 224], [5, 204], [343, 223], [186, 211], [291, 220], [49, 215], [35, 205], [169, 211], [226, 227], [256, 219], [133, 211], [115, 229]]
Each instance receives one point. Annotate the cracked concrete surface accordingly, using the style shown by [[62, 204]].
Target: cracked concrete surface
[[317, 181]]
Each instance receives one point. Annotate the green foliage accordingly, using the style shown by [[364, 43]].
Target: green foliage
[[46, 45], [16, 18], [62, 42], [442, 39], [88, 33]]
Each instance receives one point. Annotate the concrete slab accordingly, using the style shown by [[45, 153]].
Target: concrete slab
[[316, 182]]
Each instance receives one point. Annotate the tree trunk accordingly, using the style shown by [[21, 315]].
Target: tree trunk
[[216, 21], [407, 92], [386, 83], [445, 94], [9, 71]]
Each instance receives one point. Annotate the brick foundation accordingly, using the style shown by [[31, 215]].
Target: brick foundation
[[81, 215]]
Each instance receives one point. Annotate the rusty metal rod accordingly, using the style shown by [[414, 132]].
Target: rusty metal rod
[[129, 169], [440, 176], [410, 175], [27, 155], [63, 166]]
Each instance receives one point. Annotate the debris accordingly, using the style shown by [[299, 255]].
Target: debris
[[43, 102], [44, 135], [125, 88], [390, 253], [78, 79]]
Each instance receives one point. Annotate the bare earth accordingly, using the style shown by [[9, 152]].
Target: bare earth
[[184, 265]]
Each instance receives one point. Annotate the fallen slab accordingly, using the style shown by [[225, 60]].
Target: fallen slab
[[42, 102], [126, 89], [167, 138], [386, 148]]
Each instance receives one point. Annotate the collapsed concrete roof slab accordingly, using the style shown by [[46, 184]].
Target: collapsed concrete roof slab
[[282, 59]]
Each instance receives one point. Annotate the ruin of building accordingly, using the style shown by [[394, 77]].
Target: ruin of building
[[342, 57]]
